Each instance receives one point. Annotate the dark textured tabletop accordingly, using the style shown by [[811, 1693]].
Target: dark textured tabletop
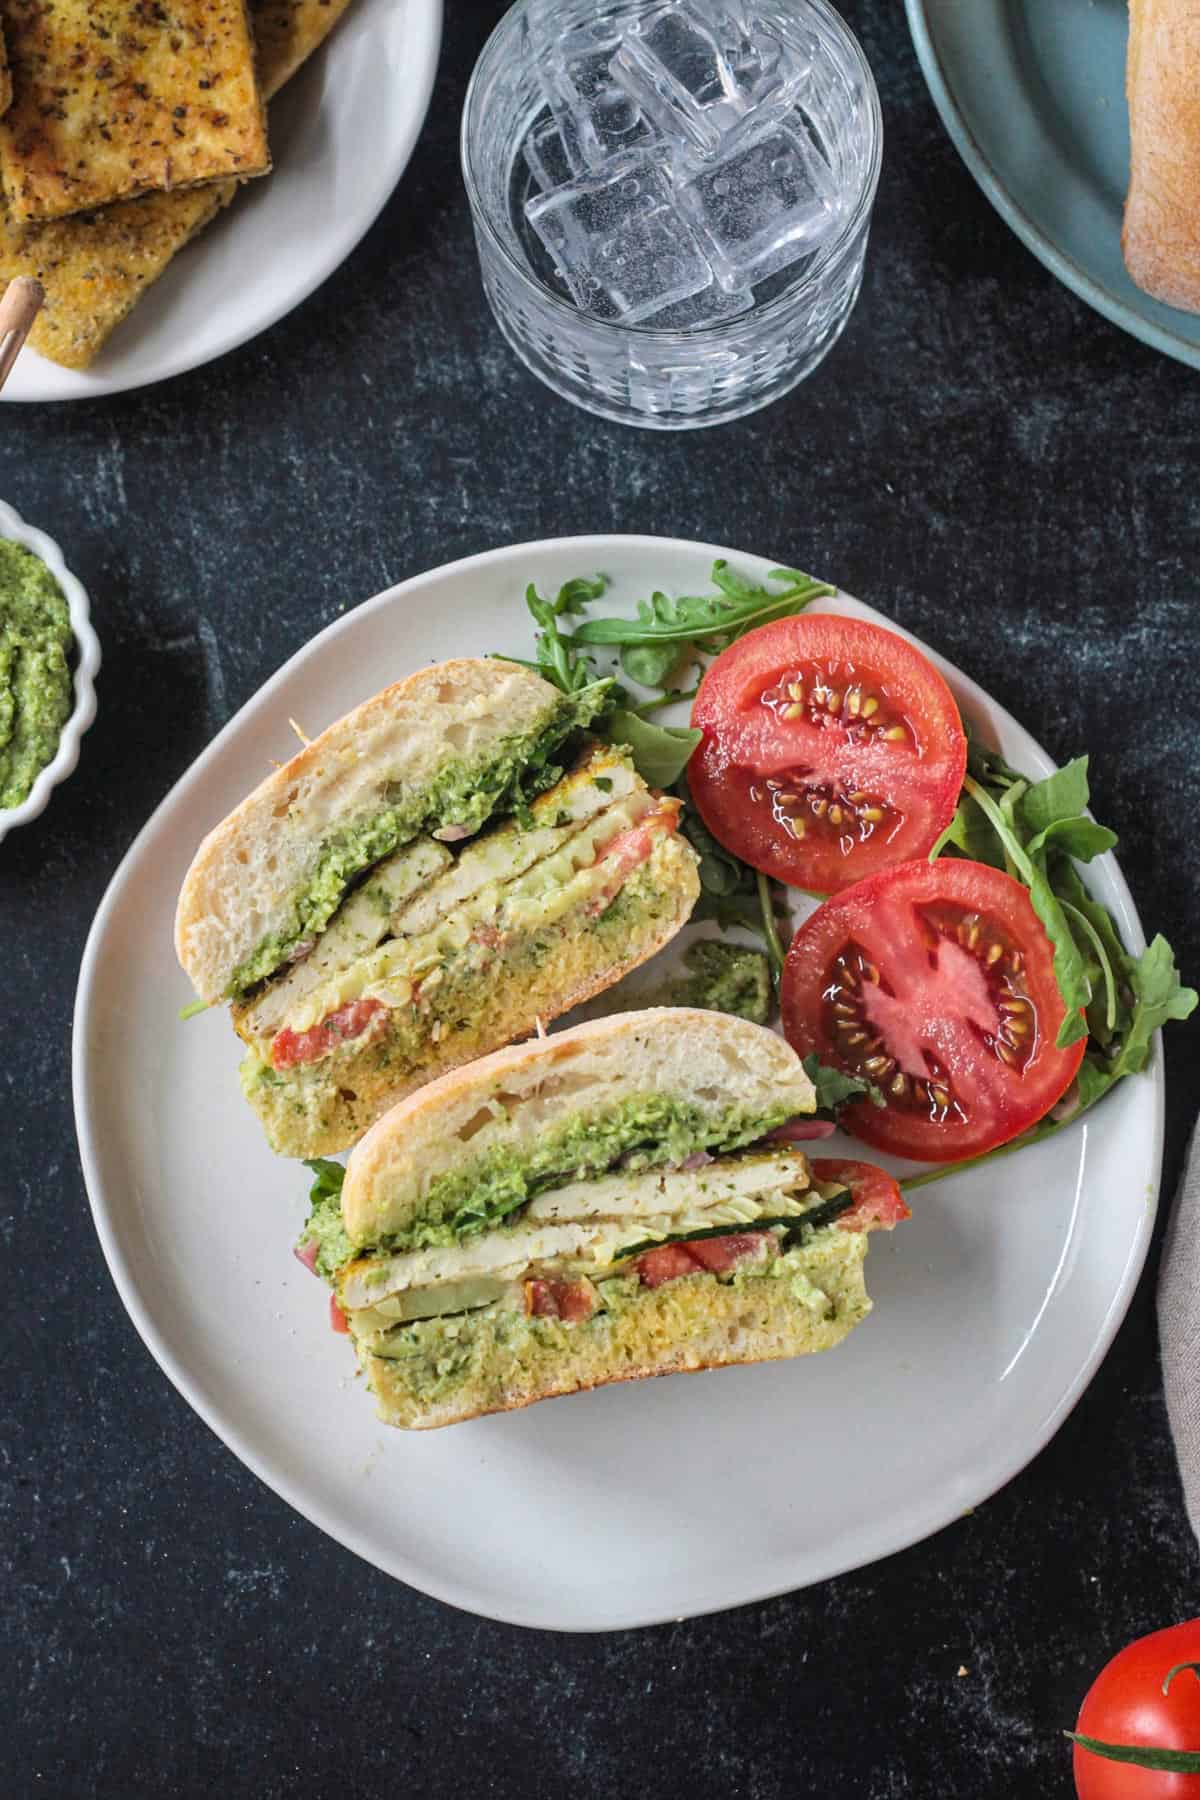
[[982, 458]]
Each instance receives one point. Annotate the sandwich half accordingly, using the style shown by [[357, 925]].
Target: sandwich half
[[604, 1204], [447, 865]]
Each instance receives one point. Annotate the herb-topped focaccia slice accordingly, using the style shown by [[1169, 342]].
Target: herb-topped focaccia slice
[[111, 100], [606, 1204], [449, 864], [96, 266]]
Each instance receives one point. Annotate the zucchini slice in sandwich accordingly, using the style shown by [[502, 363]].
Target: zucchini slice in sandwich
[[604, 1204], [446, 866]]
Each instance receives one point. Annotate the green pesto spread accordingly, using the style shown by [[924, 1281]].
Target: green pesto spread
[[35, 679], [466, 794], [642, 1133], [728, 978]]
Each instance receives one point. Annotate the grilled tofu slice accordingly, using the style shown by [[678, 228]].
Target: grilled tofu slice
[[112, 100], [96, 266]]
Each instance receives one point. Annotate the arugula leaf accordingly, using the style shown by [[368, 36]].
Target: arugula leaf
[[557, 659], [1159, 995], [660, 752], [652, 665], [1069, 969], [730, 912], [970, 832], [1081, 838], [710, 620], [193, 1009], [672, 697], [329, 1176], [835, 1089], [1062, 795]]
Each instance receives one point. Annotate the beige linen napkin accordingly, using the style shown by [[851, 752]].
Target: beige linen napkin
[[1179, 1328]]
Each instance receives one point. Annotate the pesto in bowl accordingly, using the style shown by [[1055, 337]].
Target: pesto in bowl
[[35, 674], [49, 656]]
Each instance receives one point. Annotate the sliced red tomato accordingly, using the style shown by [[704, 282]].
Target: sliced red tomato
[[569, 1300], [1146, 1699], [667, 1263], [936, 982], [877, 1196], [832, 748], [629, 850], [337, 1318], [291, 1048], [716, 1256]]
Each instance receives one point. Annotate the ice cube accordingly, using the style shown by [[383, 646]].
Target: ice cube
[[760, 207], [595, 116], [546, 155], [672, 63], [618, 241], [710, 306], [710, 76]]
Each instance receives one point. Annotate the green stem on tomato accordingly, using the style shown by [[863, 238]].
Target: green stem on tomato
[[1170, 1675], [1143, 1756]]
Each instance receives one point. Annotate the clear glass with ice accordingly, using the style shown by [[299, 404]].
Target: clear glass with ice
[[671, 198]]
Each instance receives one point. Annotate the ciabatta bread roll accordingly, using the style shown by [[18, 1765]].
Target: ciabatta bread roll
[[1161, 239]]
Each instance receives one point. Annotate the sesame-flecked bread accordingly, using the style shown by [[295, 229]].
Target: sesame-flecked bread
[[111, 100], [1161, 237], [509, 1099], [244, 880], [680, 1328], [325, 1107]]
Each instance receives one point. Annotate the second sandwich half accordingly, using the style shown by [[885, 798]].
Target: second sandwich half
[[442, 868]]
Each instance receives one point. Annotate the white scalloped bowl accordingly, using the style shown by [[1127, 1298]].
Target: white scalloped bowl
[[87, 662]]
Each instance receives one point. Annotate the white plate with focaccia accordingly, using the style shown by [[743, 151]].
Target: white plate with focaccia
[[641, 1501], [149, 287]]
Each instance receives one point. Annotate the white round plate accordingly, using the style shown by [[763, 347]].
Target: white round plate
[[638, 1503], [342, 132]]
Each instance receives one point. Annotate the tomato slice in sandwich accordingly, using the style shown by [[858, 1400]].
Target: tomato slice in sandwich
[[936, 982], [832, 748], [876, 1194]]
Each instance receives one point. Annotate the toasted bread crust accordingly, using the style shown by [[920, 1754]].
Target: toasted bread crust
[[245, 875], [681, 1049], [1161, 236]]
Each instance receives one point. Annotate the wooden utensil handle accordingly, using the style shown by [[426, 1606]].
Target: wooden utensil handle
[[18, 309]]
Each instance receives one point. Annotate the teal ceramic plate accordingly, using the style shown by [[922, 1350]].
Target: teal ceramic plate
[[1033, 94]]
